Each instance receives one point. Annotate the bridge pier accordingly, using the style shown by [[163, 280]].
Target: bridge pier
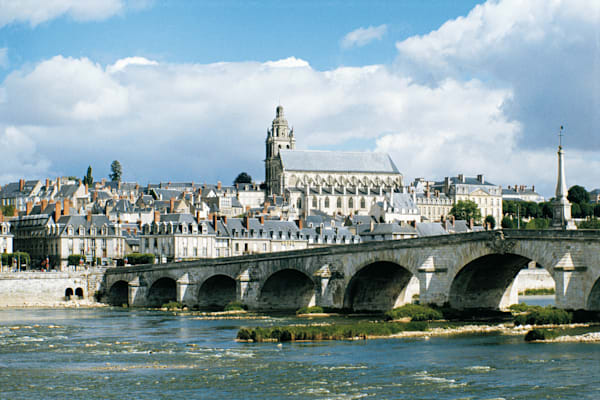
[[433, 285], [247, 289], [138, 292], [187, 292]]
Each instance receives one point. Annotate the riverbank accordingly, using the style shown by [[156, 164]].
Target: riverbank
[[83, 303]]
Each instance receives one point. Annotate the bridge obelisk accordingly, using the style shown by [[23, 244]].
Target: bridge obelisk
[[561, 207]]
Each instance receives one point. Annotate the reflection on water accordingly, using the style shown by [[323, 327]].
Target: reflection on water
[[542, 300], [122, 354]]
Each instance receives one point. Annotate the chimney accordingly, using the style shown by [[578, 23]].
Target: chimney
[[247, 222], [262, 219], [66, 206], [21, 184], [480, 178], [44, 204], [427, 192], [172, 205], [89, 216], [533, 188], [58, 183], [137, 187], [156, 216], [219, 185], [300, 224], [47, 183], [461, 178], [198, 216], [224, 219], [248, 209], [29, 206], [214, 219], [86, 188], [56, 212], [437, 193], [200, 192]]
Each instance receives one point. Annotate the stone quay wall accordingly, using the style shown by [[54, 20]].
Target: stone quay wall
[[48, 289]]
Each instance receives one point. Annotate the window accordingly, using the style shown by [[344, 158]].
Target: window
[[339, 202], [299, 203], [363, 203], [326, 202], [314, 201], [351, 202]]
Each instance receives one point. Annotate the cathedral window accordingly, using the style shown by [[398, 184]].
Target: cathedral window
[[299, 203], [363, 203], [326, 202], [314, 201], [351, 203], [339, 202]]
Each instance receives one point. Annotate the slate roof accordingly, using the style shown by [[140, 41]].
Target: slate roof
[[337, 161], [468, 181], [388, 229], [430, 229], [81, 220]]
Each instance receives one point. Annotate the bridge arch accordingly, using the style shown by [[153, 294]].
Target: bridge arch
[[162, 291], [287, 289], [593, 300], [118, 294], [486, 281], [379, 286], [217, 291]]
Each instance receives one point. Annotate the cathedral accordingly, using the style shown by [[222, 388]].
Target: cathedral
[[333, 182]]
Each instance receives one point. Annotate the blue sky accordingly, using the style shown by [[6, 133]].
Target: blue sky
[[185, 90]]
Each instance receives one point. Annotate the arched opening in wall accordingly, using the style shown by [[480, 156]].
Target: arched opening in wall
[[593, 301], [162, 291], [380, 286], [79, 293], [68, 293], [118, 294], [216, 292], [286, 290], [489, 282]]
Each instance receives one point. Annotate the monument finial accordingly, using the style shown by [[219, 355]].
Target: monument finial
[[560, 136]]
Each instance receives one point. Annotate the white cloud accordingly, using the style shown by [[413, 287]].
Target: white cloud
[[290, 62], [35, 12], [19, 156], [546, 52], [363, 36], [3, 57], [123, 63]]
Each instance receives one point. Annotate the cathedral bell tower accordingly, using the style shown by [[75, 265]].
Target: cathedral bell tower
[[279, 137]]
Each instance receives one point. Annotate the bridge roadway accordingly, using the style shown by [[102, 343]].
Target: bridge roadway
[[472, 270]]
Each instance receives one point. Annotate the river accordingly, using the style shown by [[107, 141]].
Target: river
[[108, 353]]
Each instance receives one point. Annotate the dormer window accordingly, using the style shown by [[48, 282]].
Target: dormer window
[[70, 230], [81, 231]]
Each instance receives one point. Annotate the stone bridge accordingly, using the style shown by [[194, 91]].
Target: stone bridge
[[472, 270]]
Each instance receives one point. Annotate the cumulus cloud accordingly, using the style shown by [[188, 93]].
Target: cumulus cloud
[[34, 12], [546, 52], [20, 158], [363, 36], [123, 63]]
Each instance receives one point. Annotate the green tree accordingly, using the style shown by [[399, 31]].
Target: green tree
[[576, 210], [491, 220], [466, 209], [88, 179], [593, 223], [8, 210], [578, 194], [115, 171], [508, 223], [546, 209], [597, 210], [243, 177], [538, 223]]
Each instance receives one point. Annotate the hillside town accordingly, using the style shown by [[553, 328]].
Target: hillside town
[[309, 199]]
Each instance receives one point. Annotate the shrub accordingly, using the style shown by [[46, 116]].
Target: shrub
[[173, 305], [522, 307], [138, 258], [235, 306], [416, 312], [543, 316], [540, 291], [310, 310], [535, 334]]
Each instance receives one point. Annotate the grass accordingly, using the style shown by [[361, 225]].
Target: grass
[[310, 310], [538, 292], [329, 332], [540, 334], [536, 315], [173, 305], [235, 306], [415, 312]]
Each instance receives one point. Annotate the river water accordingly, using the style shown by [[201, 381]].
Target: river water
[[109, 353]]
